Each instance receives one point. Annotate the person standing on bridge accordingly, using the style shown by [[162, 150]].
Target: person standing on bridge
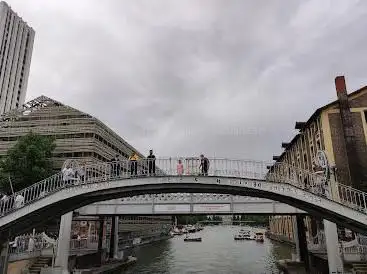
[[116, 167], [151, 163], [180, 168], [204, 165], [133, 164]]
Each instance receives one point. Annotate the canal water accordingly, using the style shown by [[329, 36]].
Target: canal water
[[217, 253]]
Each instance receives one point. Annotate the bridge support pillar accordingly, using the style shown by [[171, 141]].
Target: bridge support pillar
[[333, 254], [4, 256], [296, 239], [114, 237], [63, 245], [301, 241], [100, 233], [101, 253]]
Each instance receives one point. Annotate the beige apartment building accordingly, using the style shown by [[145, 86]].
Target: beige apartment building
[[339, 131]]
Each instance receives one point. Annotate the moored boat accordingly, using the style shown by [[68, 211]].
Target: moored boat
[[176, 231], [259, 236], [191, 229], [192, 239], [243, 235], [239, 237]]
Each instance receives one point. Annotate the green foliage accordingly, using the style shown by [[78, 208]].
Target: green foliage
[[256, 219], [194, 219], [28, 162], [190, 220]]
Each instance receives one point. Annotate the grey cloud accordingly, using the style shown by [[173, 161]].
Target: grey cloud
[[224, 78]]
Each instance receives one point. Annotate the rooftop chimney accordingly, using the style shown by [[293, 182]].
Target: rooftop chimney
[[340, 84], [353, 176]]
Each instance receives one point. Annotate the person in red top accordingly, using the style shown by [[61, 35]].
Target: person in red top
[[180, 168]]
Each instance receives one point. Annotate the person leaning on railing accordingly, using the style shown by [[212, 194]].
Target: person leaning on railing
[[151, 163], [116, 166], [133, 163]]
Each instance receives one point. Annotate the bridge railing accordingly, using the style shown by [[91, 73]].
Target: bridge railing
[[29, 243], [318, 241], [318, 184], [125, 169], [352, 197]]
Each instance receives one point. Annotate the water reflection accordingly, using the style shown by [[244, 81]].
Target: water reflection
[[217, 253]]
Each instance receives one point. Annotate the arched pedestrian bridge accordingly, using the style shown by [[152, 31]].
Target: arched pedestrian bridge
[[60, 194]]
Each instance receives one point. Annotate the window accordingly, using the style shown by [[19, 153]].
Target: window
[[318, 145], [365, 116]]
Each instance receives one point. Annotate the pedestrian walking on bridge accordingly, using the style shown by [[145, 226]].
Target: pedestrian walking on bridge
[[204, 165]]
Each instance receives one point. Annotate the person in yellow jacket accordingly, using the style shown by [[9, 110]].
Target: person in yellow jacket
[[134, 164]]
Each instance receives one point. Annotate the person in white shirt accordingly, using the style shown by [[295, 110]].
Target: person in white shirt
[[30, 244], [19, 201], [4, 204], [68, 175]]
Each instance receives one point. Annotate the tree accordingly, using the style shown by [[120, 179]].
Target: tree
[[256, 219], [190, 220], [28, 162]]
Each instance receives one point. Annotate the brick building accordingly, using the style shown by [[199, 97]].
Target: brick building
[[339, 130]]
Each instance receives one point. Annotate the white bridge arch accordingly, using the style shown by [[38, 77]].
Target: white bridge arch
[[57, 195]]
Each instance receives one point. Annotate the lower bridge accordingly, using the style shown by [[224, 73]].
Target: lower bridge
[[188, 203]]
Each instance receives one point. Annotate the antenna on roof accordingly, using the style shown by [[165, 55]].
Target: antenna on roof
[[11, 186]]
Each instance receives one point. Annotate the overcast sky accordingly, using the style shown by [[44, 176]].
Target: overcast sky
[[224, 78]]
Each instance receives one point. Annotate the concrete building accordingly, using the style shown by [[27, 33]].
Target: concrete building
[[133, 230], [338, 131], [16, 39], [78, 135]]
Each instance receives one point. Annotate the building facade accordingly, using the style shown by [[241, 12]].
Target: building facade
[[81, 137], [16, 39], [337, 130], [133, 230], [78, 135]]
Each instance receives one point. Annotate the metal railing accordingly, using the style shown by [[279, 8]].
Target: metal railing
[[352, 197], [356, 249], [85, 243], [126, 169], [318, 241], [28, 243], [319, 185], [304, 179]]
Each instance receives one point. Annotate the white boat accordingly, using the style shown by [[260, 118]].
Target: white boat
[[177, 231], [191, 229], [240, 237], [243, 235]]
